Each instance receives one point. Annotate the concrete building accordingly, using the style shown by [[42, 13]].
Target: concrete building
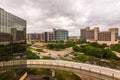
[[61, 35], [47, 37], [41, 37], [108, 37], [12, 45], [74, 37], [94, 35], [56, 35], [33, 37], [89, 34]]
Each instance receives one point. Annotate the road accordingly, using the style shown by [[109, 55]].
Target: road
[[67, 65], [55, 54], [75, 65], [117, 54]]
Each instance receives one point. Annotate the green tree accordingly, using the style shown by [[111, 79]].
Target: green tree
[[97, 45], [77, 49], [82, 58], [95, 51], [70, 43], [31, 55], [115, 47], [108, 54], [81, 41]]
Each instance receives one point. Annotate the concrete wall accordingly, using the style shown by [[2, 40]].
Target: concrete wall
[[23, 77]]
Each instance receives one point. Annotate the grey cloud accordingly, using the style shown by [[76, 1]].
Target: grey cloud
[[82, 13]]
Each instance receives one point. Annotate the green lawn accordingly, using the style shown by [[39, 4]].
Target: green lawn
[[65, 59], [39, 71], [47, 58], [82, 58], [59, 74], [65, 75]]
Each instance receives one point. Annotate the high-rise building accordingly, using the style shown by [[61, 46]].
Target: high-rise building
[[12, 45], [61, 35], [94, 35]]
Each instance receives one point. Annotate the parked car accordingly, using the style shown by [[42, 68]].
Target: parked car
[[66, 55], [49, 54]]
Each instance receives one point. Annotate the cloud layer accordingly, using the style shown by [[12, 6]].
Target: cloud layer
[[43, 15]]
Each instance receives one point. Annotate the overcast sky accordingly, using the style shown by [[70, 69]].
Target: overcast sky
[[43, 15]]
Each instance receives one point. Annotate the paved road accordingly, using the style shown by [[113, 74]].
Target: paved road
[[66, 64], [117, 54], [55, 54], [93, 68]]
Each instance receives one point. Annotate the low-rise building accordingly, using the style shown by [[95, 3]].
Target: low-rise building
[[33, 37], [41, 37], [56, 35], [74, 37]]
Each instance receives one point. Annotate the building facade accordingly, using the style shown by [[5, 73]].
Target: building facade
[[33, 36], [48, 37], [41, 37], [12, 44], [108, 37], [61, 35], [94, 35], [55, 35], [74, 37]]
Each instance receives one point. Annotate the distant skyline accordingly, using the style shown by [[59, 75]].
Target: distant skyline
[[44, 15]]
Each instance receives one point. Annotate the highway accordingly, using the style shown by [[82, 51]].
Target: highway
[[88, 67], [92, 70]]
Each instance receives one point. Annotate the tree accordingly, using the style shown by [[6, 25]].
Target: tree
[[95, 51], [31, 55], [108, 54], [77, 49], [94, 44], [115, 47], [81, 41], [70, 43], [82, 58], [56, 46]]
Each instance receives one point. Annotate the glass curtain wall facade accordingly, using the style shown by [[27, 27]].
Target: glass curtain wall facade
[[61, 35], [12, 45]]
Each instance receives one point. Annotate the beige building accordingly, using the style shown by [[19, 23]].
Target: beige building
[[90, 34], [41, 37], [73, 37], [94, 35]]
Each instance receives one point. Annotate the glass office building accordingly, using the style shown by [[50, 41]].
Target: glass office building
[[61, 35], [12, 45]]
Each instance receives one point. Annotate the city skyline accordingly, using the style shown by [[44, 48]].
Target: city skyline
[[71, 15], [48, 52]]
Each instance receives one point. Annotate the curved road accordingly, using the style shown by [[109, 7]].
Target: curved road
[[87, 67], [95, 71]]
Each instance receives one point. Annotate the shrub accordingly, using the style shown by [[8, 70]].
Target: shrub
[[115, 47], [31, 55]]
